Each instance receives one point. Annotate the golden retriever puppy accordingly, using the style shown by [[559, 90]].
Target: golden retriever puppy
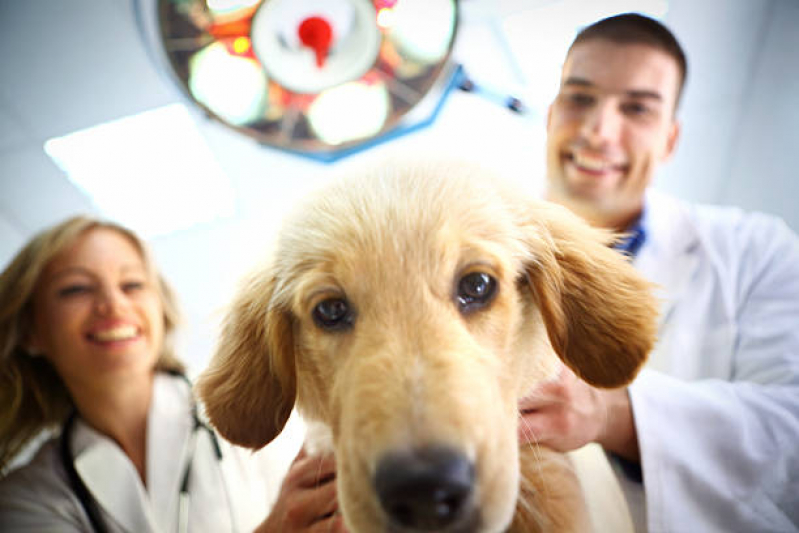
[[406, 310]]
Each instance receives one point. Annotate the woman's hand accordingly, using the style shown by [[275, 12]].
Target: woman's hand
[[307, 501]]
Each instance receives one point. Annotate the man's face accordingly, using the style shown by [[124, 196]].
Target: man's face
[[610, 126]]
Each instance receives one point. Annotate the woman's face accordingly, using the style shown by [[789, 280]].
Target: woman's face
[[97, 314]]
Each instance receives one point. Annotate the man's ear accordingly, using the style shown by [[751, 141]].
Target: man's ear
[[600, 314], [673, 137]]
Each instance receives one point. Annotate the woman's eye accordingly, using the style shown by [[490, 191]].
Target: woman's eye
[[74, 290], [131, 286], [475, 290], [333, 314]]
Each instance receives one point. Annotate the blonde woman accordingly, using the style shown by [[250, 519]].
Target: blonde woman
[[85, 351]]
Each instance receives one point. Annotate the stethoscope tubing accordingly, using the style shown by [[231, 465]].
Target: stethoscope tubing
[[88, 502]]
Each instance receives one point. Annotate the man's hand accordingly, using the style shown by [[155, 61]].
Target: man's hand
[[307, 501], [567, 413]]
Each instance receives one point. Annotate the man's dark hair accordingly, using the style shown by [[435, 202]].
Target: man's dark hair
[[632, 28]]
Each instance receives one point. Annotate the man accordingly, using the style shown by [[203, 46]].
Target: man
[[707, 437]]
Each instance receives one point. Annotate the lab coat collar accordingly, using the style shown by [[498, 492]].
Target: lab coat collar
[[113, 480], [667, 257]]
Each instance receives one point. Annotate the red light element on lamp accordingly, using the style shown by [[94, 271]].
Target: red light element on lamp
[[316, 33]]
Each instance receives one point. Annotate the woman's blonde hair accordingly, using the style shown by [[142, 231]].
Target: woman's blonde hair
[[32, 395]]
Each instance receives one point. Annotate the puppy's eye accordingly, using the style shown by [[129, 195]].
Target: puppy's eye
[[475, 290], [333, 314]]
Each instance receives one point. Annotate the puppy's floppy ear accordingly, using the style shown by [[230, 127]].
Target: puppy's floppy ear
[[249, 388], [600, 314]]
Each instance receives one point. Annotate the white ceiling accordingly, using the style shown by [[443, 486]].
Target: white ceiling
[[65, 66], [70, 65]]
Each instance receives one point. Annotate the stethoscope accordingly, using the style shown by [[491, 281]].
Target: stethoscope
[[90, 505]]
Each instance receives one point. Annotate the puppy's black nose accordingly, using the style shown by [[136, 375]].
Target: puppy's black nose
[[427, 489]]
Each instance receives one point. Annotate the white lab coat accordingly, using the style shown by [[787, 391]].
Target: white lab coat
[[229, 495], [717, 408]]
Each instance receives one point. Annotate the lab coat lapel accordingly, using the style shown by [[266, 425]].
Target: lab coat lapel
[[669, 257], [111, 479], [168, 427]]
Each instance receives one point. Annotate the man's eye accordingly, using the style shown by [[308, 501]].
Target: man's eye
[[579, 99], [474, 291], [635, 109], [333, 314]]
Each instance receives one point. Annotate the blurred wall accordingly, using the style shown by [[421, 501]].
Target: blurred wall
[[741, 108]]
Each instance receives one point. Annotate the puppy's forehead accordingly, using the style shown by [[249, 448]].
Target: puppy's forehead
[[409, 217]]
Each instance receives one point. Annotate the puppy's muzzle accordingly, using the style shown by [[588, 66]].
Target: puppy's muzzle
[[427, 489]]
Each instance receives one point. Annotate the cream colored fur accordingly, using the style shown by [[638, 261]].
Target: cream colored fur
[[414, 371]]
